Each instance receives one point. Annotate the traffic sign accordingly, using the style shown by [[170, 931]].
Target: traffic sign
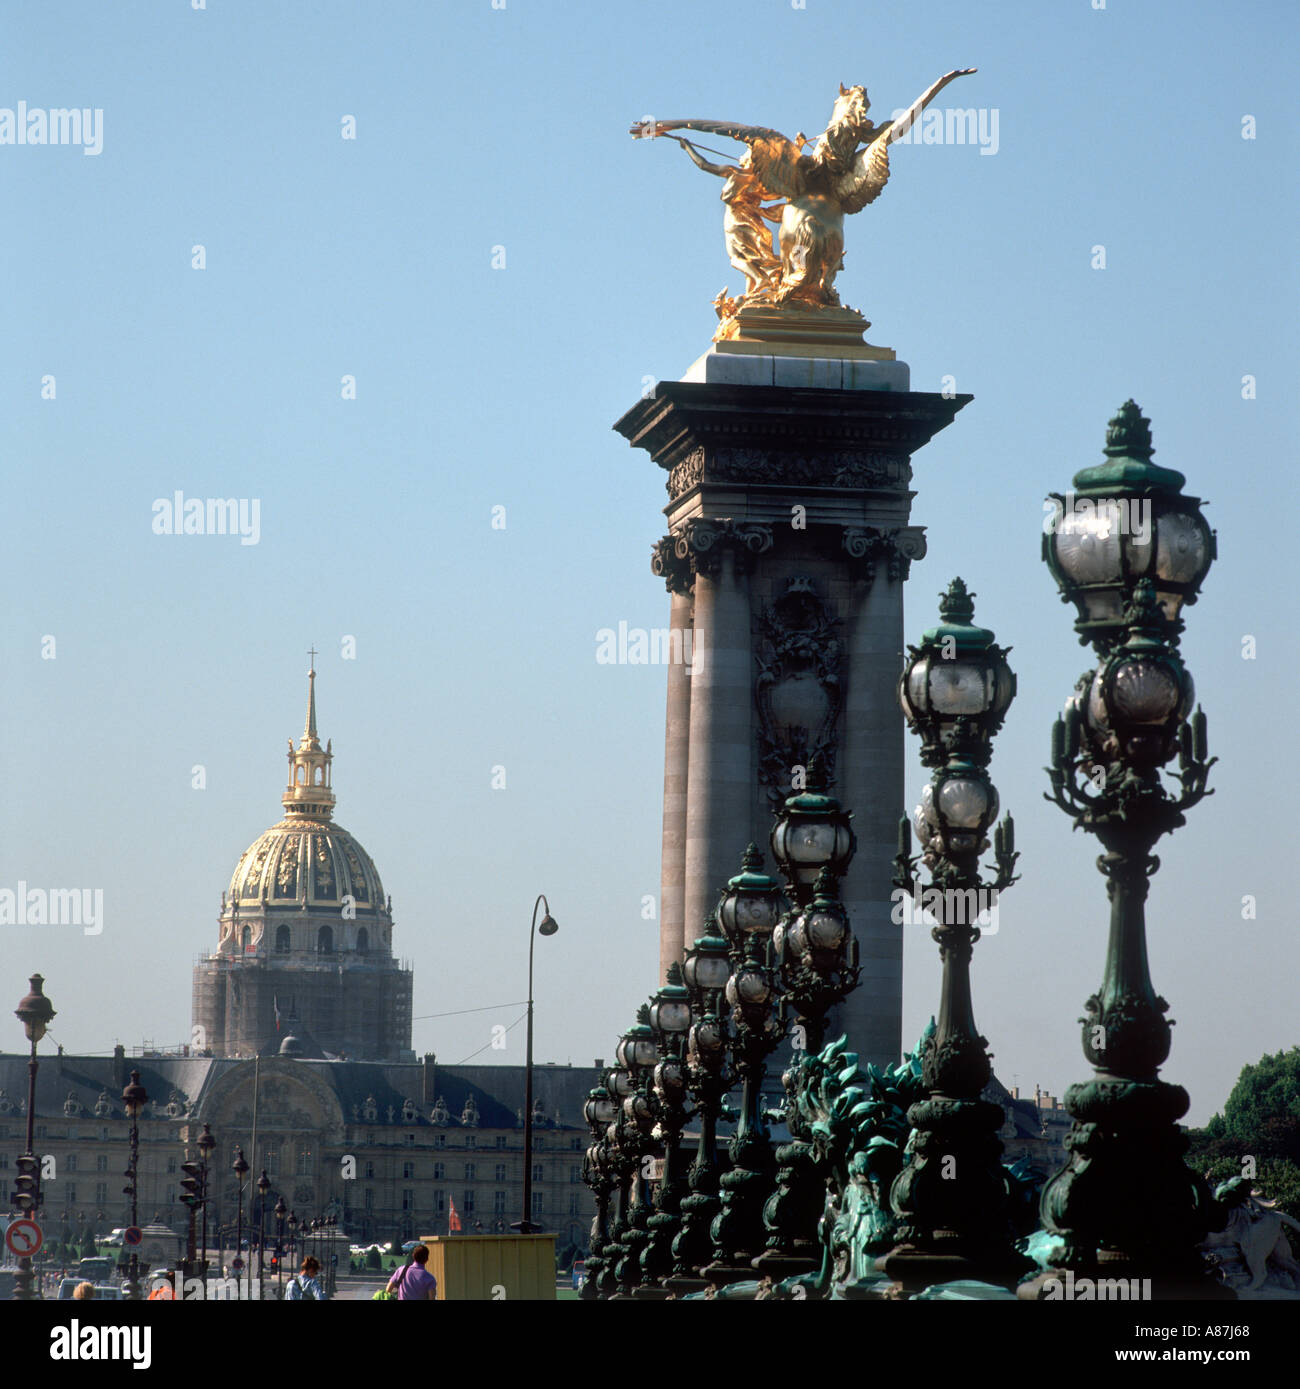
[[237, 1263], [132, 1235], [24, 1238]]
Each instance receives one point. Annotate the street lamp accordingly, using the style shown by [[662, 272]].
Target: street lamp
[[811, 832], [293, 1241], [263, 1186], [240, 1169], [670, 1020], [134, 1100], [205, 1144], [951, 1197], [548, 927], [1139, 1210], [35, 1012], [597, 1172], [281, 1210], [706, 969], [748, 912], [1126, 520], [636, 1052]]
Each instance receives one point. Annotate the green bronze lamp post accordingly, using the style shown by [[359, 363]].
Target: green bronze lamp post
[[599, 1175], [670, 1020], [817, 955], [952, 1195], [637, 1052], [621, 1166], [1126, 1204], [748, 912], [706, 969]]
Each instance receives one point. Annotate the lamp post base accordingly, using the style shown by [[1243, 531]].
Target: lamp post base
[[915, 1268], [778, 1266]]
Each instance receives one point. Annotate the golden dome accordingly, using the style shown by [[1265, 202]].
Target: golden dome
[[306, 862]]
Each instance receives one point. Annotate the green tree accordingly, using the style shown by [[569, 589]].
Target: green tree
[[372, 1259]]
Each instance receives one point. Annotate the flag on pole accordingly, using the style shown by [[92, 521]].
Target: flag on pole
[[453, 1220]]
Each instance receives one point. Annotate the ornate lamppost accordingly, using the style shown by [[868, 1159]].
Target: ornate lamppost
[[192, 1200], [818, 957], [622, 1166], [670, 1019], [952, 1196], [205, 1144], [706, 969], [240, 1169], [1126, 1203], [35, 1012], [293, 1241], [134, 1100], [599, 1112], [548, 927], [748, 912], [263, 1186], [637, 1052], [281, 1210]]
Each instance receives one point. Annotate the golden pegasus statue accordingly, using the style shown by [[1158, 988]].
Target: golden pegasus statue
[[847, 169]]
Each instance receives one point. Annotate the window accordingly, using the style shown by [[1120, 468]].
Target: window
[[370, 1170], [501, 1140], [440, 1202], [439, 1140], [539, 1172], [573, 1203], [408, 1199], [408, 1171], [469, 1171], [325, 940], [538, 1142], [271, 1161], [469, 1202], [370, 1198], [101, 1162], [304, 1168], [4, 1161], [500, 1174], [575, 1175], [281, 940], [103, 1133], [471, 1141], [70, 1162], [576, 1144], [410, 1140], [363, 941], [498, 1203], [70, 1194], [171, 1166], [101, 1193], [537, 1203], [439, 1171]]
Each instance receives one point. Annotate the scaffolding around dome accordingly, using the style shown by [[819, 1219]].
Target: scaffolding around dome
[[305, 918]]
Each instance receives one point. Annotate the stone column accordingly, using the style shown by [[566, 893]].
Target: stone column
[[872, 778], [721, 755], [674, 930]]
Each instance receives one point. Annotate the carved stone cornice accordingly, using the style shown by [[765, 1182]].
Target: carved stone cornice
[[842, 468], [783, 424], [697, 546], [869, 546]]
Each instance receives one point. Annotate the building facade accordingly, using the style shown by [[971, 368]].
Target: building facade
[[387, 1149]]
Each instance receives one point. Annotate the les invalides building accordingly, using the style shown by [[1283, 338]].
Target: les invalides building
[[306, 943]]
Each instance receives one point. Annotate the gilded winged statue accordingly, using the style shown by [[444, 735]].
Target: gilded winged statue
[[847, 168]]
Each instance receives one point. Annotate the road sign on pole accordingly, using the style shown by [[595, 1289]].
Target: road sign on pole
[[24, 1238], [132, 1236]]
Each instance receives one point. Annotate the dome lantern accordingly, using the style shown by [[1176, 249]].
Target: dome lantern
[[309, 791]]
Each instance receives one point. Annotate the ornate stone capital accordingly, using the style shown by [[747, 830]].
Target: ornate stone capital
[[897, 548], [697, 546]]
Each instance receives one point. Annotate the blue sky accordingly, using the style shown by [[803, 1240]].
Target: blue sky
[[481, 128]]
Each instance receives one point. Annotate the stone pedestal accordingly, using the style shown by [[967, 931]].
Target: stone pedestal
[[789, 539]]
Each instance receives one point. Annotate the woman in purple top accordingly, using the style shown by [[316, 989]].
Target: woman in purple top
[[413, 1282]]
